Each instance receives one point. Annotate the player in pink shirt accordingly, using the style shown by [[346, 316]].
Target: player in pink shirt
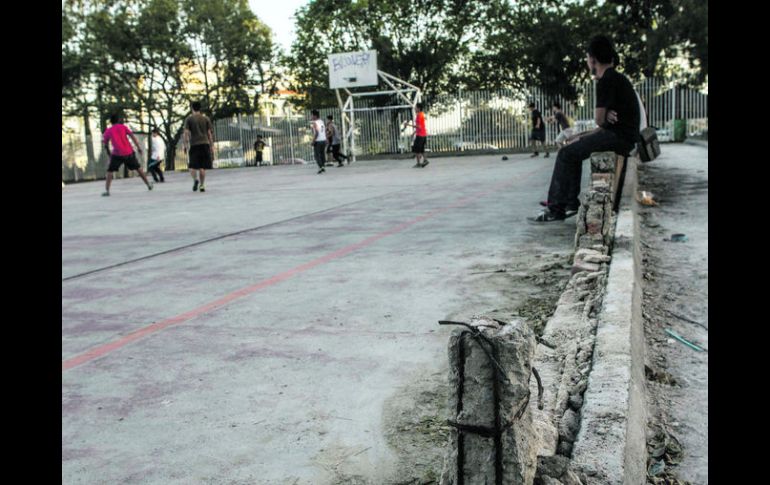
[[122, 152]]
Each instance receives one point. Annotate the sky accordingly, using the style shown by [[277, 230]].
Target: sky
[[278, 15]]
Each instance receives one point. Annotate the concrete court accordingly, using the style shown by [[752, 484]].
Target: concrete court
[[264, 323]]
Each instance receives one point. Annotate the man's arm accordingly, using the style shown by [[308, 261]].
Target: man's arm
[[599, 114], [210, 134], [186, 139], [574, 138], [107, 148]]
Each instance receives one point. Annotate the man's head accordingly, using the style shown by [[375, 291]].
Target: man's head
[[419, 107], [556, 106], [315, 114], [196, 106], [330, 118], [531, 106], [600, 54], [259, 137], [116, 118], [155, 132]]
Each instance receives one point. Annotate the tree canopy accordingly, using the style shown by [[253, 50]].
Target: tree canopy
[[486, 44]]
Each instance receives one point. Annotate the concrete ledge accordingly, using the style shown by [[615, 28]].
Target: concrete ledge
[[611, 444]]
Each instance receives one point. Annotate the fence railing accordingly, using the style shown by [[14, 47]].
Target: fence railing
[[465, 120]]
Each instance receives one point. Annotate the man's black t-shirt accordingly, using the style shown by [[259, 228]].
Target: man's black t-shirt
[[615, 92], [562, 120], [535, 116]]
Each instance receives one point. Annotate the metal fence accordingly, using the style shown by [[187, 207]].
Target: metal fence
[[466, 120]]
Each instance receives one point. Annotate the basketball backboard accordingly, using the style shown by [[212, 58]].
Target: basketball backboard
[[353, 69]]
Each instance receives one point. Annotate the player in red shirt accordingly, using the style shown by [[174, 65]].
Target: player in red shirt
[[420, 137]]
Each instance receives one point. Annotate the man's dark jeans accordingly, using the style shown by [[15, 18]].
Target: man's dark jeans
[[565, 181], [319, 153]]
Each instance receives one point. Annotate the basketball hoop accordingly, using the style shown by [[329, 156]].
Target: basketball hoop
[[359, 69]]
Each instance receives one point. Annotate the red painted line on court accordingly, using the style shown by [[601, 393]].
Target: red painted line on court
[[158, 326]]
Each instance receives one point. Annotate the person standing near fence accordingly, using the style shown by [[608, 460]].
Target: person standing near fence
[[199, 143], [333, 136], [157, 155], [319, 140], [122, 151], [420, 137], [566, 130], [538, 129], [259, 147]]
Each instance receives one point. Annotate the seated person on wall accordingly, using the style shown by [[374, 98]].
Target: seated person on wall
[[617, 120]]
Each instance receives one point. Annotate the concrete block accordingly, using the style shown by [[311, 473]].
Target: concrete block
[[480, 399], [603, 162]]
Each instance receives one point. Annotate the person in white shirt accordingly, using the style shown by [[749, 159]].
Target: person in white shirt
[[157, 155], [319, 140]]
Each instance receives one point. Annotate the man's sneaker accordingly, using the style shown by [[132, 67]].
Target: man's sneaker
[[569, 213], [416, 165], [195, 185], [547, 216], [105, 194], [203, 188], [149, 186], [544, 203], [340, 165], [425, 163], [321, 171], [534, 155], [546, 155]]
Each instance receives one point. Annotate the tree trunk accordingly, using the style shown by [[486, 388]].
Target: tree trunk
[[173, 141], [89, 137]]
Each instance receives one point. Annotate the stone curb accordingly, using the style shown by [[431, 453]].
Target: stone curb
[[611, 444]]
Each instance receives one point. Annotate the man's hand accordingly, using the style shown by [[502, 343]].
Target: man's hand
[[612, 116]]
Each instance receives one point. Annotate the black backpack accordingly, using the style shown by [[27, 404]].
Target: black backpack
[[648, 146]]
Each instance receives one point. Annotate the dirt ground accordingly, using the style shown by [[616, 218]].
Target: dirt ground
[[414, 419], [675, 283]]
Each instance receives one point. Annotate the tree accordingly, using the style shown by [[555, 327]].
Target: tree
[[650, 34], [232, 50], [543, 44], [538, 44], [140, 57]]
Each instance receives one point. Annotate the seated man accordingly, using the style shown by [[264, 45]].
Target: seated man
[[618, 133]]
